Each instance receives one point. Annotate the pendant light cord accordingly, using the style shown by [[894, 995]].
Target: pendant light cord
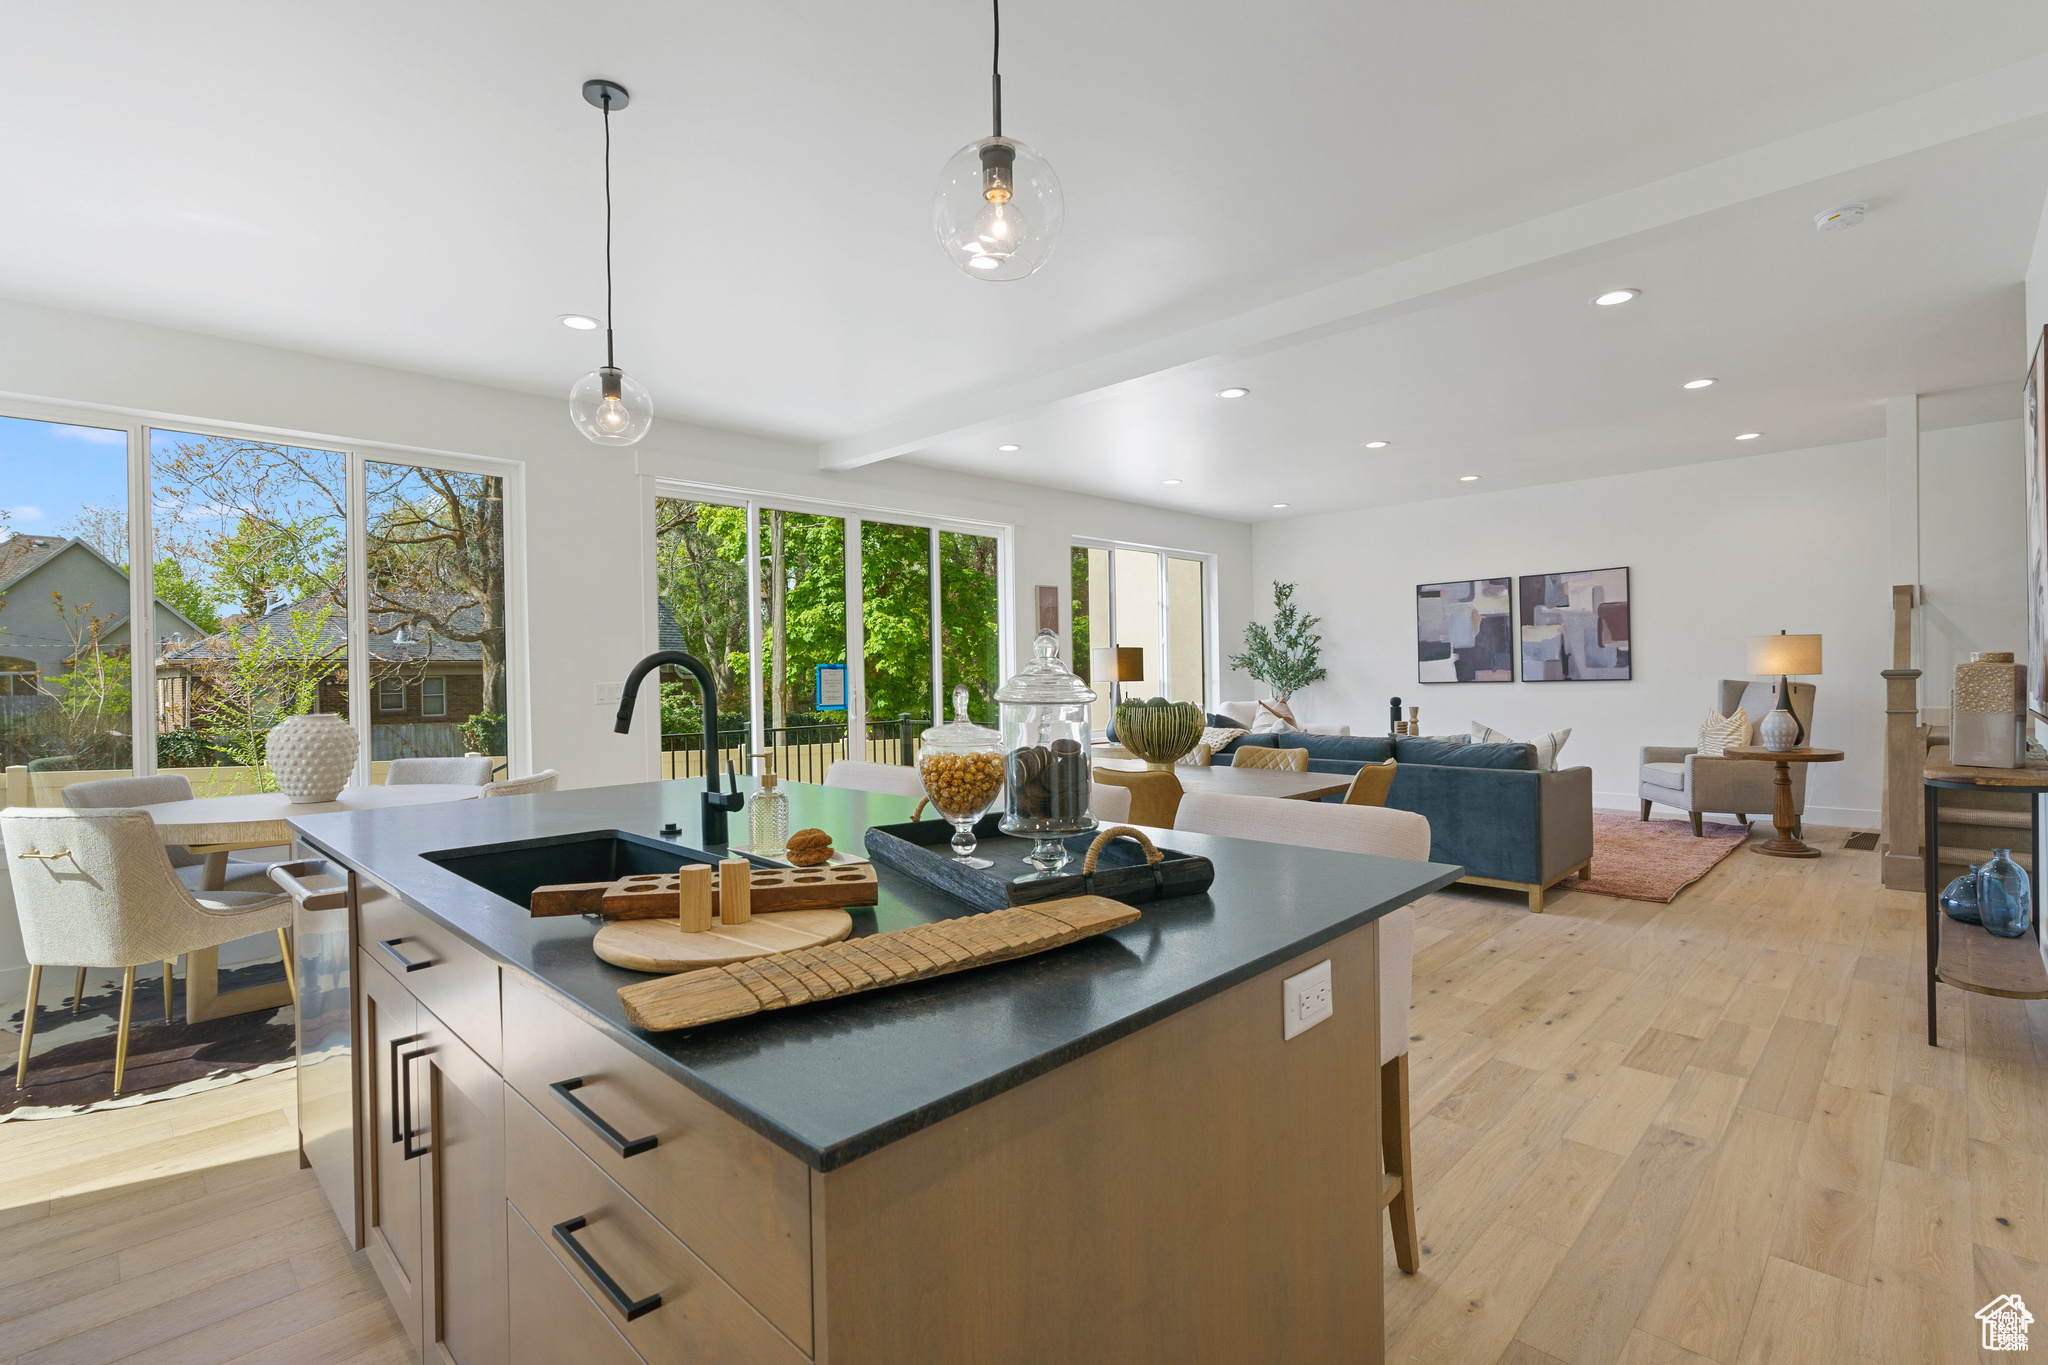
[[609, 362], [995, 67]]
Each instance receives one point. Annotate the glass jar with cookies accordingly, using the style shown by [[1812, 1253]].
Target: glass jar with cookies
[[1045, 736], [961, 766]]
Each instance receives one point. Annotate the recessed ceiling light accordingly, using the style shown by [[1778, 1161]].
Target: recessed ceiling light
[[1006, 448], [1278, 505], [1467, 478], [1699, 383], [1169, 482], [1232, 393], [1749, 435], [1375, 445], [579, 321], [1614, 296]]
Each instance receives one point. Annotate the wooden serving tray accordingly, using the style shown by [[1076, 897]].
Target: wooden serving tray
[[660, 945], [864, 964], [923, 849], [653, 895]]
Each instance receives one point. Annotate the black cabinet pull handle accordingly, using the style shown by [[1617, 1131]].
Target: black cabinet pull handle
[[620, 1143], [409, 964], [397, 1130], [630, 1308], [405, 1088]]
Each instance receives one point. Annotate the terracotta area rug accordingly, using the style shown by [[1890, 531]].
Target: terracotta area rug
[[1652, 860], [71, 1066]]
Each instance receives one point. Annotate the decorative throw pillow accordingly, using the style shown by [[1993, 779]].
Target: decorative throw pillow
[[1216, 737], [1546, 745], [1275, 719], [1719, 733]]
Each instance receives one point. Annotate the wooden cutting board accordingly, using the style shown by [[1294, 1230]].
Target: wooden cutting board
[[653, 896], [660, 945]]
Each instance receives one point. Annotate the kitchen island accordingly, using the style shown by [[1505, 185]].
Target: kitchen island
[[1106, 1152]]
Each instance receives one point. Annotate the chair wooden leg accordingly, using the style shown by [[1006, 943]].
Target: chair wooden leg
[[78, 991], [121, 1039], [291, 976], [1646, 810], [1697, 832], [1742, 819], [1399, 1162], [170, 974], [28, 1025]]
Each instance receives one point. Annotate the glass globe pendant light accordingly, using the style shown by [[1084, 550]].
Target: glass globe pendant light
[[607, 405], [998, 208]]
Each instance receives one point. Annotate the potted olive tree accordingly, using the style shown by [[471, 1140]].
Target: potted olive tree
[[1288, 656]]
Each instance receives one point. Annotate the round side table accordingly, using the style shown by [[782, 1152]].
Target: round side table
[[1788, 844]]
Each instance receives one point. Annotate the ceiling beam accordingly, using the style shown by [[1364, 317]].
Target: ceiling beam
[[1995, 99]]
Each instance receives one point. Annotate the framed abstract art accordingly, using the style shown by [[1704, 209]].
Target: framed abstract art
[[1575, 626], [1462, 632]]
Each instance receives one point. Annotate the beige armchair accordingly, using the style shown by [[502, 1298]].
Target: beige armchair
[[1681, 778]]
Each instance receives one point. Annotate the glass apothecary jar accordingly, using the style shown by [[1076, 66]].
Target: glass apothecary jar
[[1045, 736], [961, 767]]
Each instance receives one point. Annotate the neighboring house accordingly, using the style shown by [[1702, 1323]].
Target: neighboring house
[[423, 685], [35, 645]]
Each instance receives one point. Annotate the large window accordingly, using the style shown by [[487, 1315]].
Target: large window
[[1150, 600], [66, 686], [275, 579], [859, 626]]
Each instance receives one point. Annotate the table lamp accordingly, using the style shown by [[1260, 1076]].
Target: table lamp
[[1114, 665], [1787, 656]]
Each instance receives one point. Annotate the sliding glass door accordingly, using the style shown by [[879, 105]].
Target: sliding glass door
[[1153, 601], [858, 625]]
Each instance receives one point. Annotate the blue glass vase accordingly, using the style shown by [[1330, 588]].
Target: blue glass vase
[[2004, 899], [1960, 899]]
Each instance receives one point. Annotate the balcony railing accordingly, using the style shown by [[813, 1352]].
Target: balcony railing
[[803, 753]]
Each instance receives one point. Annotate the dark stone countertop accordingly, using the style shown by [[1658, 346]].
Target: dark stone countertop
[[834, 1081]]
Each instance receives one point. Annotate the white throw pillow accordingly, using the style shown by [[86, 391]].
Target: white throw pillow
[[1546, 745], [1719, 733], [1243, 712], [1275, 719], [1215, 736]]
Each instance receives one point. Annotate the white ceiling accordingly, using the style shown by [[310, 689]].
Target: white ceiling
[[416, 185]]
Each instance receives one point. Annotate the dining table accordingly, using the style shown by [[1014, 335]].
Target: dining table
[[215, 826], [1225, 780]]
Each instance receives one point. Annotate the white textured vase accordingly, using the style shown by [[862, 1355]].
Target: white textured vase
[[1779, 732], [312, 756]]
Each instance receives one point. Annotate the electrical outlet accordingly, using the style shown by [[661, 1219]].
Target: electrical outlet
[[608, 694], [1305, 1000]]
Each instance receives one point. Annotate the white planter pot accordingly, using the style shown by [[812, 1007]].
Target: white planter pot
[[312, 757]]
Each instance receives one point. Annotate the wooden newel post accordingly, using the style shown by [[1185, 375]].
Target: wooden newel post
[[1905, 754]]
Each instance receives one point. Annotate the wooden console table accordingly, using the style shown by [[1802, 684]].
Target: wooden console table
[[1966, 956]]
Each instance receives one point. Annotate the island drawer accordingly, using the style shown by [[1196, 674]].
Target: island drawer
[[444, 973], [553, 1320], [736, 1199], [698, 1316]]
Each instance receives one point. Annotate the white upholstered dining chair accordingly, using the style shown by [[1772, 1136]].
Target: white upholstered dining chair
[[1351, 829], [523, 786], [469, 771], [1109, 805], [95, 887], [889, 779]]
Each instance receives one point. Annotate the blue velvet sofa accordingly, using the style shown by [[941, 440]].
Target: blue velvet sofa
[[1488, 807]]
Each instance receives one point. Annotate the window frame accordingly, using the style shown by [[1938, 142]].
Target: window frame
[[383, 686], [439, 693], [140, 423], [1212, 652]]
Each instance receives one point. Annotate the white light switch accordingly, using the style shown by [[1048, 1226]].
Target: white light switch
[[1305, 999], [608, 694]]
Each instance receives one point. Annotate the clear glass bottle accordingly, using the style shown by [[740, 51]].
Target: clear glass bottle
[[2004, 898], [961, 766], [1045, 735], [1959, 898], [768, 813]]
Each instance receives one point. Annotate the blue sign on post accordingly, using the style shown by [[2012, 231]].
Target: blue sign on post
[[831, 689]]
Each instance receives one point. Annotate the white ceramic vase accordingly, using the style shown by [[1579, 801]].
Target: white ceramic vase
[[1779, 732], [312, 756]]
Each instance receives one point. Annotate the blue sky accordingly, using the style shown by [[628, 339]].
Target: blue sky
[[48, 471]]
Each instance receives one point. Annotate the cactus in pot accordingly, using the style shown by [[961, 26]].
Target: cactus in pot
[[1159, 731]]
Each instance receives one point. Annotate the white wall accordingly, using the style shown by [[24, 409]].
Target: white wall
[[589, 609], [1717, 553]]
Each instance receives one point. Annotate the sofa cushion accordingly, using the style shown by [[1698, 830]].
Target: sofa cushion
[[1667, 775], [1546, 745], [1436, 753]]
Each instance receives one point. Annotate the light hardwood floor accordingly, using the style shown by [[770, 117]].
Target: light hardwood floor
[[179, 1233], [1654, 1135]]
